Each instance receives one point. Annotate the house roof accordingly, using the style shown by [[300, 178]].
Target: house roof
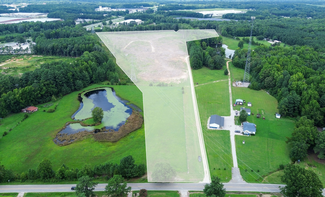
[[249, 103], [249, 127], [217, 120], [246, 109], [31, 108], [239, 100]]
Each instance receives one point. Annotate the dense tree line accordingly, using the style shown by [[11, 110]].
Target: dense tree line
[[206, 53], [294, 75], [45, 172], [54, 79]]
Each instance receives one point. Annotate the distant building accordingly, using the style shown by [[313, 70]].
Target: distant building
[[249, 128], [30, 109], [216, 122], [249, 104], [239, 102], [248, 111], [137, 21], [277, 115]]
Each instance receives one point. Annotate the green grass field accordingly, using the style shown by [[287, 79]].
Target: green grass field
[[20, 64], [9, 194], [213, 98], [32, 141], [60, 194], [236, 74], [264, 152], [160, 193], [205, 75], [200, 194]]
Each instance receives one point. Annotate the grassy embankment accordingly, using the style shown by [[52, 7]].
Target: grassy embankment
[[32, 140], [213, 98], [200, 194], [8, 194], [60, 194], [19, 64], [263, 153], [233, 43], [161, 193]]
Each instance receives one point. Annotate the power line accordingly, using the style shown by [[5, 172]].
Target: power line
[[248, 60]]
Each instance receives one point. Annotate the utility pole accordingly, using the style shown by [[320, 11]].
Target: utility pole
[[248, 60]]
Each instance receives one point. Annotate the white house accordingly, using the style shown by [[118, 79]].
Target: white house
[[249, 104], [249, 128], [248, 111]]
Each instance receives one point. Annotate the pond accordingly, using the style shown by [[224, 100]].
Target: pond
[[228, 51], [116, 111]]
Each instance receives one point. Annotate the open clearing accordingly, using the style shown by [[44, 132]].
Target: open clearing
[[157, 62], [264, 152], [37, 142], [20, 64], [161, 193], [212, 99]]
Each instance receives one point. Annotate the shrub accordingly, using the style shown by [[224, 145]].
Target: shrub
[[5, 133], [50, 110], [143, 193], [225, 169], [281, 166], [226, 72], [25, 116]]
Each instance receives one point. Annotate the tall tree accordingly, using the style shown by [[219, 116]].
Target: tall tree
[[300, 182], [85, 186], [243, 116], [97, 114], [44, 170], [320, 145], [215, 188], [117, 187]]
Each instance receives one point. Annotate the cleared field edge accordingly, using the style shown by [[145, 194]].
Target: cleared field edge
[[171, 90]]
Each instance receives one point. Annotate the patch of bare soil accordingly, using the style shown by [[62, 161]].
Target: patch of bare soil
[[133, 123]]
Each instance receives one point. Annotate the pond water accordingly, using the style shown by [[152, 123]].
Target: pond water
[[115, 110], [228, 51]]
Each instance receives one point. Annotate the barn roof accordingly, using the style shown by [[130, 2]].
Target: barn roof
[[217, 120]]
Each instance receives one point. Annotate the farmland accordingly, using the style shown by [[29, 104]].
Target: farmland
[[37, 142]]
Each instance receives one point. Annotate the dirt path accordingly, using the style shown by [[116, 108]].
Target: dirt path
[[210, 82]]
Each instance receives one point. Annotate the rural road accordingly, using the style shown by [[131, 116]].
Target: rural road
[[138, 186]]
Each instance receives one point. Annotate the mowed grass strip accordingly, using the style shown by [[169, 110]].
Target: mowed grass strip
[[60, 194], [32, 140], [201, 194], [263, 153], [9, 194], [160, 193], [233, 43], [205, 75], [212, 99]]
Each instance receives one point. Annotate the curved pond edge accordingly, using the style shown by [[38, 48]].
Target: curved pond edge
[[105, 134]]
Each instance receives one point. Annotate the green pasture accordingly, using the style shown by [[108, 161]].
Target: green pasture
[[20, 64], [213, 98], [214, 9], [32, 141], [236, 74], [263, 153]]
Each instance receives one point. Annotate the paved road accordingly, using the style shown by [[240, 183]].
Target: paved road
[[138, 186]]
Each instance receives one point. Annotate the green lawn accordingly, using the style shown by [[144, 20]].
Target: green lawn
[[32, 141], [227, 195], [205, 75], [233, 43], [160, 193], [264, 152], [60, 194], [9, 194], [213, 98], [22, 63], [236, 74]]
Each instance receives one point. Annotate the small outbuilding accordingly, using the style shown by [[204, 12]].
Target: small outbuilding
[[278, 115], [249, 104], [30, 109], [248, 111], [216, 122], [239, 102], [249, 128]]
